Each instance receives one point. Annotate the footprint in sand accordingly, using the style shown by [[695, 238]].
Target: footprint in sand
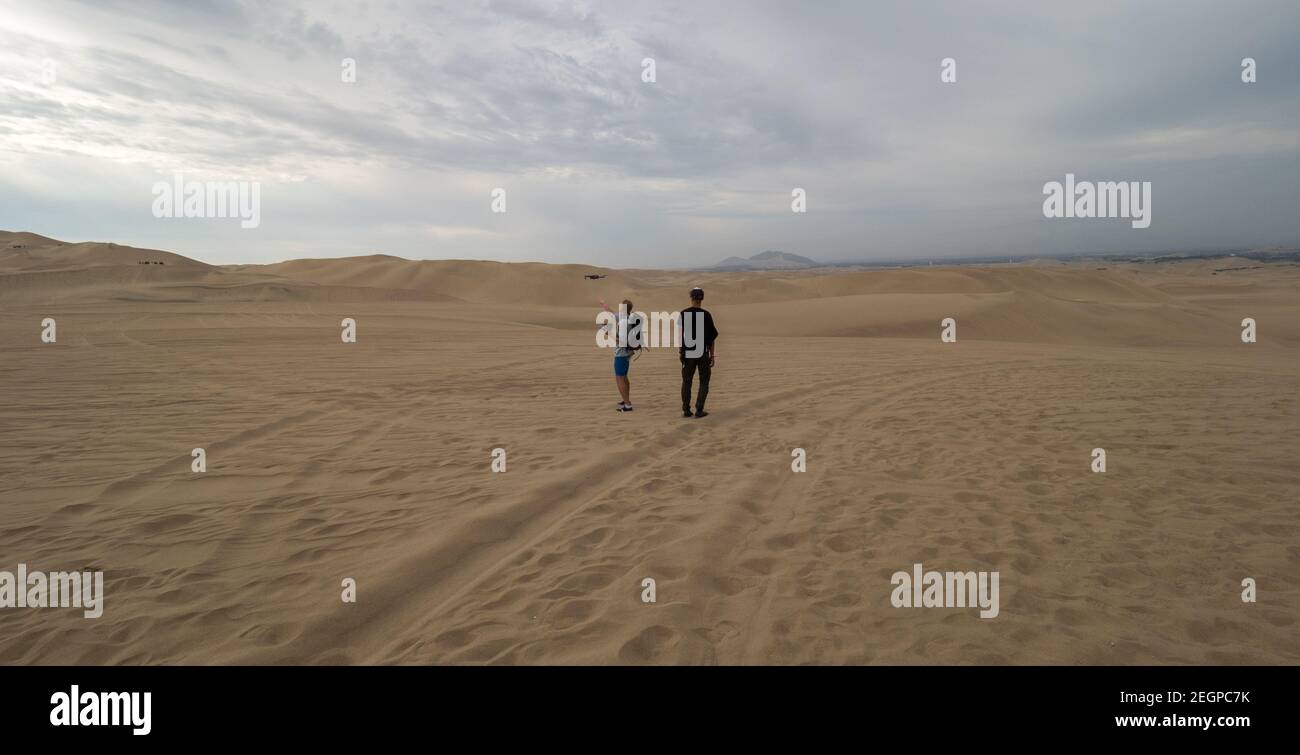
[[651, 644]]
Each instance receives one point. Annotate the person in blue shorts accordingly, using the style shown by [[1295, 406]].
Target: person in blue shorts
[[625, 322]]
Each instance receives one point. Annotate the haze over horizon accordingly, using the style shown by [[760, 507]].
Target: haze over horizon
[[602, 168]]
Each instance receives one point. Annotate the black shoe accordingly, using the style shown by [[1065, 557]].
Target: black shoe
[[687, 413], [701, 413]]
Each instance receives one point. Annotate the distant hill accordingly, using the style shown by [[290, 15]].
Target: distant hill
[[769, 260]]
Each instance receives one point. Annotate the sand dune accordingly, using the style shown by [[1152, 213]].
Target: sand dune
[[372, 461]]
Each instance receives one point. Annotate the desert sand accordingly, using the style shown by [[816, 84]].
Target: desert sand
[[372, 461]]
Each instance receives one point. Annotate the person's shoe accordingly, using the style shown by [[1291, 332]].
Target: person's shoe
[[625, 407], [687, 413], [701, 413]]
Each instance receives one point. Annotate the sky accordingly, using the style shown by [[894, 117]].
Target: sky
[[99, 101]]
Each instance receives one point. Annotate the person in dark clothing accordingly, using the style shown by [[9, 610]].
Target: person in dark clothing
[[698, 351]]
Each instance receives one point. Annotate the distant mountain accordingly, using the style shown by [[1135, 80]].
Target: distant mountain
[[769, 260]]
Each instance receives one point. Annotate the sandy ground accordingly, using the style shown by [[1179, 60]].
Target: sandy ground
[[373, 461]]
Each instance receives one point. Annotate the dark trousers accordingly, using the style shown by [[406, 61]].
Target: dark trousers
[[689, 366]]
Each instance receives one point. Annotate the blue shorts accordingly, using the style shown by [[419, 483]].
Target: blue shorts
[[620, 366]]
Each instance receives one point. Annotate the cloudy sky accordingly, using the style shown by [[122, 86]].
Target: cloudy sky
[[100, 100]]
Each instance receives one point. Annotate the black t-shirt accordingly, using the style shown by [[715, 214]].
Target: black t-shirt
[[686, 322]]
